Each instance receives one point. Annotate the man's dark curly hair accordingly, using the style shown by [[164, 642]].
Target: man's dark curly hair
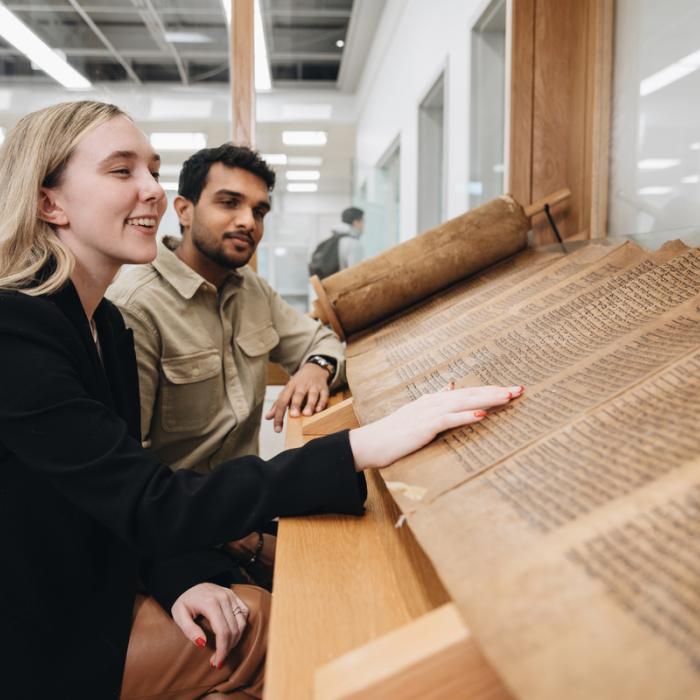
[[193, 176]]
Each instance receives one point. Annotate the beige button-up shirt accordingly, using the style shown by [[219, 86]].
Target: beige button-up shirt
[[202, 356]]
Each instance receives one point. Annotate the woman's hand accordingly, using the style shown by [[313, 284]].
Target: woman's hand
[[226, 613], [414, 425]]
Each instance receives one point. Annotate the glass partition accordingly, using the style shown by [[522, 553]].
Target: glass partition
[[655, 131]]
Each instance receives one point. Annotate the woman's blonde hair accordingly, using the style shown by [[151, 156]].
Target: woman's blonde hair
[[35, 155]]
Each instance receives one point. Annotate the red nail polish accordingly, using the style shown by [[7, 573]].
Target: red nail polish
[[200, 642], [510, 394], [212, 664], [221, 664], [479, 414]]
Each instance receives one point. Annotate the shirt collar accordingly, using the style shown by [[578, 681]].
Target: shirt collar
[[181, 276]]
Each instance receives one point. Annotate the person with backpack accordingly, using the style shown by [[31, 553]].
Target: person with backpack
[[343, 249]]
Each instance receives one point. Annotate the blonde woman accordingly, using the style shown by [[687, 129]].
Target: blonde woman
[[112, 584]]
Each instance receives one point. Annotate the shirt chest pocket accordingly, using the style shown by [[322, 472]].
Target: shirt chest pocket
[[190, 388], [256, 345]]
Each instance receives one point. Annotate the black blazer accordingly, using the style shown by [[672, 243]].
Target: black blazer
[[87, 515]]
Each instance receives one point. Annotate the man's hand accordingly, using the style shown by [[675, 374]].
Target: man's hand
[[307, 390]]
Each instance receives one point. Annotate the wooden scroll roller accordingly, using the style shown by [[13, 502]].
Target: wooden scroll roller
[[353, 299]]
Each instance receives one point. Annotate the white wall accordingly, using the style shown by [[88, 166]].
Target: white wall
[[415, 41]]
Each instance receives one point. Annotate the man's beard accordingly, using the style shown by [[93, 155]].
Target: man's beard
[[214, 251]]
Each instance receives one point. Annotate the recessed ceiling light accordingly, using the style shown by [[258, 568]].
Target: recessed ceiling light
[[163, 108], [292, 112], [305, 160], [169, 170], [280, 251], [658, 163], [178, 140], [275, 158], [17, 33], [302, 187], [304, 138], [303, 175], [655, 190], [187, 38], [340, 43], [695, 146]]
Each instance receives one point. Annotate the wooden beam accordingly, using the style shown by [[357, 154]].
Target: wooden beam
[[521, 100], [242, 73], [432, 657]]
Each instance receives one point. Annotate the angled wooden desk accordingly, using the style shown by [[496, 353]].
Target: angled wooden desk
[[358, 611]]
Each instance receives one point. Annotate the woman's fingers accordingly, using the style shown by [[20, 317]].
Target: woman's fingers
[[189, 627], [474, 398], [226, 631]]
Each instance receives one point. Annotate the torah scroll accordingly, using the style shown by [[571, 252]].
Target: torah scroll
[[411, 271]]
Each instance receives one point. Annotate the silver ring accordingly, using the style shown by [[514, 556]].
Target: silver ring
[[238, 610]]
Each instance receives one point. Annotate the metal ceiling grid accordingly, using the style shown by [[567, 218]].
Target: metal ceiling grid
[[168, 41]]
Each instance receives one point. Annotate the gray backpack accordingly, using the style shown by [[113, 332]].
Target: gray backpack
[[325, 260]]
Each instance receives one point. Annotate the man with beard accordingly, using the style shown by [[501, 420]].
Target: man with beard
[[205, 325]]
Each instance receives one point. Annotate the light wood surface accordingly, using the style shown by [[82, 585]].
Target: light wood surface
[[242, 67], [432, 657], [341, 581]]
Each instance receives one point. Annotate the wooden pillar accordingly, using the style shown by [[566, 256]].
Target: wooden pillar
[[242, 73], [561, 68]]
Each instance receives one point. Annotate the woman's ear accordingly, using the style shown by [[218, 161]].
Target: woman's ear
[[49, 209]]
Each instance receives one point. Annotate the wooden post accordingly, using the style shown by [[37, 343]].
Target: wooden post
[[242, 73]]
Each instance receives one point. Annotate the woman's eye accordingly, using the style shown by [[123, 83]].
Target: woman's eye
[[121, 171]]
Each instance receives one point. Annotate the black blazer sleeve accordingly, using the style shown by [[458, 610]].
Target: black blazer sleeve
[[56, 430]]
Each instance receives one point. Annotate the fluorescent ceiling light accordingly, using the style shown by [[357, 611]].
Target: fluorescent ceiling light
[[305, 160], [275, 158], [262, 65], [655, 190], [304, 138], [303, 175], [292, 112], [14, 31], [170, 186], [302, 187], [670, 74], [691, 180], [178, 140], [163, 108], [169, 170], [658, 163], [187, 38]]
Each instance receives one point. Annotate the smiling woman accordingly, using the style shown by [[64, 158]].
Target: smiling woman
[[100, 540]]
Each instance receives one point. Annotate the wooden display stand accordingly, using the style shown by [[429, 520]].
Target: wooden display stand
[[358, 611]]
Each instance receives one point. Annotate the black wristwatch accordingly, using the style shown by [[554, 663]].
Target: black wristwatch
[[327, 363]]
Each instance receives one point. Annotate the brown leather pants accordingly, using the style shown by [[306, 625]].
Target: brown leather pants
[[161, 663]]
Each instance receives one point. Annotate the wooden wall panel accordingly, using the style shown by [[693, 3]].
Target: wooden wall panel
[[561, 74]]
